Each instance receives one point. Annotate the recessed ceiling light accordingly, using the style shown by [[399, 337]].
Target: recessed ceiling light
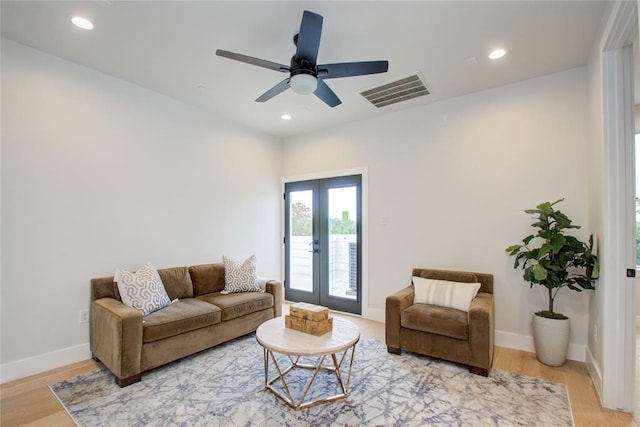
[[285, 117], [81, 22], [498, 53]]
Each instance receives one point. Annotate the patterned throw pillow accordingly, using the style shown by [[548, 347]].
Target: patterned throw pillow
[[142, 289], [444, 293], [240, 277]]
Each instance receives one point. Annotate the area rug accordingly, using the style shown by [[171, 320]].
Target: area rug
[[224, 386]]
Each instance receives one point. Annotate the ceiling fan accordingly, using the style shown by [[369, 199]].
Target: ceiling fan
[[305, 75]]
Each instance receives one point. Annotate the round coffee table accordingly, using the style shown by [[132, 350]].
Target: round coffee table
[[334, 345]]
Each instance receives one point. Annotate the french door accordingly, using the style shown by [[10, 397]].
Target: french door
[[323, 242]]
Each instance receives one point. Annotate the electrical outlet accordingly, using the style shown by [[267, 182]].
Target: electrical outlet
[[84, 316]]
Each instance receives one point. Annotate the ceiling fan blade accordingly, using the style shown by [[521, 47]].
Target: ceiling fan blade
[[325, 93], [348, 69], [309, 37], [253, 61], [276, 90]]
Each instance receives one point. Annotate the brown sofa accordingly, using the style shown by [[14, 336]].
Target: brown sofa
[[442, 332], [128, 344]]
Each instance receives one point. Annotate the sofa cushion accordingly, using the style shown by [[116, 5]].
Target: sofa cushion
[[207, 278], [238, 304], [177, 282], [436, 320], [179, 317]]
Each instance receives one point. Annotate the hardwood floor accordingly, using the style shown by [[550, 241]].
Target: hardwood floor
[[29, 402]]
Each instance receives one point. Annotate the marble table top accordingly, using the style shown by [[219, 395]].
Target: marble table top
[[274, 336]]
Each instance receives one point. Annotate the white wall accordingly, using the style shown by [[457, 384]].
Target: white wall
[[453, 179], [596, 178], [99, 174]]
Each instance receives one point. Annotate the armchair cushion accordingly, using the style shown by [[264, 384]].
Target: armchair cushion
[[444, 293], [436, 320]]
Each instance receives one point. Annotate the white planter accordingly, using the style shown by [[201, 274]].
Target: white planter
[[551, 339]]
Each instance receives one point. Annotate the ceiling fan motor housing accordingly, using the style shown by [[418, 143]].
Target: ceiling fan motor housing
[[304, 70]]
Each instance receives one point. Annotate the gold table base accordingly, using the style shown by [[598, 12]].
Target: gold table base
[[301, 403]]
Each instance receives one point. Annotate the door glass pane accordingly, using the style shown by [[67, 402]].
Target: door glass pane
[[301, 246], [342, 244]]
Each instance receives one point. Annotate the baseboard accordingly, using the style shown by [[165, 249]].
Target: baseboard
[[43, 362], [594, 373], [504, 339], [525, 343], [376, 314], [55, 359]]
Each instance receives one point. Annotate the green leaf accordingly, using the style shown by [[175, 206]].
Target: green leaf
[[540, 224], [573, 288], [556, 242], [539, 272], [545, 207], [513, 249], [545, 249], [596, 271]]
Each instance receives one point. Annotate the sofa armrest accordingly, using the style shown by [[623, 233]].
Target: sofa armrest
[[277, 290], [394, 305], [481, 330], [115, 336]]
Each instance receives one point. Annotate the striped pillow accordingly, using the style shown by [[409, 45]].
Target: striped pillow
[[444, 293]]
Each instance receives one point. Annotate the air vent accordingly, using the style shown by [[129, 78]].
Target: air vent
[[396, 91]]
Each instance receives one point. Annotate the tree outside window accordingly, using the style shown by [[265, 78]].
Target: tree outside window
[[301, 222]]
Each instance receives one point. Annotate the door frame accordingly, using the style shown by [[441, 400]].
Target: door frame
[[618, 337], [364, 172]]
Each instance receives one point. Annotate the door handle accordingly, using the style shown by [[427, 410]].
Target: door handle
[[315, 249]]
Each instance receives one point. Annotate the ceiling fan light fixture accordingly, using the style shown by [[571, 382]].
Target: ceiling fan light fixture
[[303, 84]]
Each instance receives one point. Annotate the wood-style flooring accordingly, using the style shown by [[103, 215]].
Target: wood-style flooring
[[29, 402]]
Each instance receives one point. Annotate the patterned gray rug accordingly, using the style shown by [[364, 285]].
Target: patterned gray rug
[[224, 386]]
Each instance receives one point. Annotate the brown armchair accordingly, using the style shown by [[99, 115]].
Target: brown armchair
[[442, 332]]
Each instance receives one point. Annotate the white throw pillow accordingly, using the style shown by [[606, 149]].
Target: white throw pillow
[[142, 289], [443, 293], [240, 276]]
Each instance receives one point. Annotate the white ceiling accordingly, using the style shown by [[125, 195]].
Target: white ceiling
[[169, 47]]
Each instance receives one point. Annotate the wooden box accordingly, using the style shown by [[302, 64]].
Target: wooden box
[[307, 326], [304, 310], [319, 327], [292, 322]]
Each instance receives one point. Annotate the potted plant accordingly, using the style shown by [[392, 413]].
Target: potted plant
[[555, 260]]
